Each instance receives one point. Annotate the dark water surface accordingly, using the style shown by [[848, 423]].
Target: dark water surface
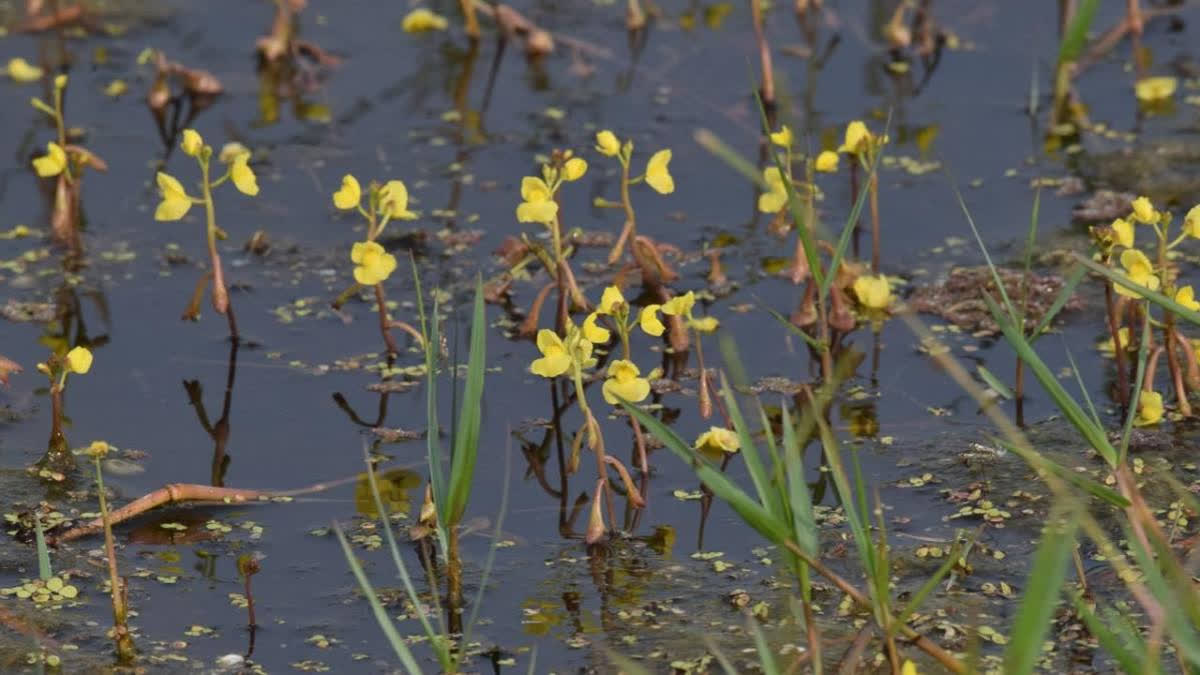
[[387, 106]]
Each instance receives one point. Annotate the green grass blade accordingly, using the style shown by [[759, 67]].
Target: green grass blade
[[733, 361], [709, 141], [926, 588], [626, 665], [755, 514], [766, 660], [1087, 399], [381, 616], [1136, 395], [43, 553], [851, 221], [1075, 37], [466, 434], [1131, 657], [1043, 586], [796, 330], [804, 521], [1093, 433], [719, 656], [987, 258], [1060, 301], [1036, 460], [433, 444], [768, 496], [1155, 297], [847, 494], [990, 379]]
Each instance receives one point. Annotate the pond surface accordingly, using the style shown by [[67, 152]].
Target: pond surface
[[421, 108]]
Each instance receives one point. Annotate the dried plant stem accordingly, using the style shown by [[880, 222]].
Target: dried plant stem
[[874, 188], [220, 294], [385, 322], [629, 230], [764, 54], [121, 636], [470, 18], [635, 16]]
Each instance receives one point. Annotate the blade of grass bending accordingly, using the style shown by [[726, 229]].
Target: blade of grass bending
[[394, 548], [1039, 462], [766, 660], [804, 522], [1135, 397], [796, 330], [43, 553], [626, 665], [709, 141], [1043, 586], [466, 437], [732, 360], [1093, 433], [987, 257], [1076, 34], [1060, 301], [994, 382], [847, 494], [381, 616], [1157, 298], [719, 656], [768, 497], [1180, 626], [1130, 658], [851, 221], [1082, 389], [433, 444], [755, 515], [926, 588]]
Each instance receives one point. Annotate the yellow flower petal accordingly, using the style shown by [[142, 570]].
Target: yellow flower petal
[[650, 322], [1144, 211], [394, 200], [1155, 89], [373, 264], [594, 333], [1191, 223], [624, 382], [21, 70], [776, 196], [1123, 229], [537, 212], [610, 300], [175, 202], [421, 20], [243, 176], [349, 195], [909, 668], [856, 139], [1186, 296], [706, 324], [873, 292], [1150, 409], [783, 137], [52, 163], [657, 174], [192, 142], [607, 143], [718, 438], [79, 360], [534, 189], [827, 161], [555, 361], [680, 305], [574, 168]]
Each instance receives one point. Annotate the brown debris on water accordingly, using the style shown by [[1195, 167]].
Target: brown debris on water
[[959, 298]]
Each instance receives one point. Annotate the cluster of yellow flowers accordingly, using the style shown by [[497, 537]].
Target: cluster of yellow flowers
[[537, 194], [858, 141], [657, 174], [680, 305], [176, 202], [373, 264]]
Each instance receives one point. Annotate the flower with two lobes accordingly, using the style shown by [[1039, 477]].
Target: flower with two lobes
[[52, 163], [422, 20], [1150, 409], [1139, 270], [175, 201], [561, 354], [391, 200], [717, 441], [1144, 211], [859, 140], [873, 292], [625, 382], [680, 305], [1151, 90], [372, 264], [78, 360]]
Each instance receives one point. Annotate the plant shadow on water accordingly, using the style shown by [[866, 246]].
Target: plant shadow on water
[[341, 88]]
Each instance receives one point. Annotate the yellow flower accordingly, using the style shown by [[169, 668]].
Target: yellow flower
[[243, 176], [1139, 270], [776, 196], [60, 81], [909, 668], [624, 381], [21, 70], [394, 200], [650, 322], [1155, 89], [607, 143], [1106, 346], [231, 151], [610, 300], [827, 161], [192, 142], [706, 324], [594, 333], [52, 163], [175, 202], [349, 195], [857, 138], [718, 439], [539, 205], [421, 20], [1144, 211], [79, 360], [555, 359], [1191, 222], [657, 175], [1186, 296], [372, 264], [873, 292], [1150, 409], [680, 305], [783, 137], [1123, 229], [98, 449], [574, 168]]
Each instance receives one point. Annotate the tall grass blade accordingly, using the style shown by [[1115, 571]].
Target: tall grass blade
[[466, 433], [1043, 586], [990, 379], [766, 660], [768, 496], [1155, 297], [381, 616], [987, 258], [43, 553], [1075, 37], [1130, 656], [851, 222], [804, 521], [1060, 301]]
